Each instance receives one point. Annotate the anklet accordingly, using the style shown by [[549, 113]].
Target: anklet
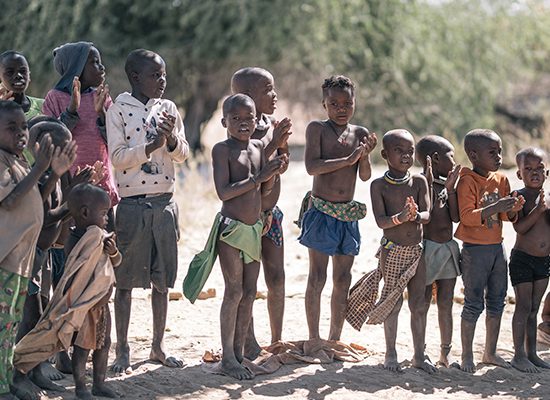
[[397, 181]]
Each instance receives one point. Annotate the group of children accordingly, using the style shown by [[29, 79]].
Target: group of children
[[62, 174]]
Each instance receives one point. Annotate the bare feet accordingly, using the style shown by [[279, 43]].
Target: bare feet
[[50, 372], [83, 393], [424, 364], [8, 396], [467, 364], [252, 349], [168, 361], [24, 389], [523, 364], [63, 363], [38, 378], [539, 362], [235, 370], [103, 390], [122, 360], [391, 364], [493, 359], [444, 358]]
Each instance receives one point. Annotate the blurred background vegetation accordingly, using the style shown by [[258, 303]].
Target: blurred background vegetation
[[434, 66]]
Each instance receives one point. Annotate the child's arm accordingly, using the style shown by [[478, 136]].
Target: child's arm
[[62, 160], [525, 222], [452, 199], [383, 220], [43, 157], [369, 140], [281, 133], [109, 246], [422, 210], [172, 127], [53, 106], [315, 165]]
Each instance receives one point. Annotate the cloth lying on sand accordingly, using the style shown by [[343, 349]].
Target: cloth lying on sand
[[400, 266], [314, 351], [442, 260], [246, 238], [88, 278]]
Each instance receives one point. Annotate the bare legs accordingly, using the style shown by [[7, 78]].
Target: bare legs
[[236, 311], [318, 263], [524, 326]]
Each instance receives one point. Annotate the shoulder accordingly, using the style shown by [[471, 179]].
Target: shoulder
[[220, 149], [419, 178], [377, 183], [316, 128]]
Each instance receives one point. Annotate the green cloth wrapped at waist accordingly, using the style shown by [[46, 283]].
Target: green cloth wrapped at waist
[[350, 211], [246, 238]]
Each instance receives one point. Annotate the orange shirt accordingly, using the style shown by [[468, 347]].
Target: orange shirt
[[475, 192]]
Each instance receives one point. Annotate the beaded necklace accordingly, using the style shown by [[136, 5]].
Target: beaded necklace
[[397, 181]]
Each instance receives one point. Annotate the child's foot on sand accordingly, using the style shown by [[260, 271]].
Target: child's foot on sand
[[24, 389], [83, 393], [38, 378], [122, 361], [103, 390], [523, 364], [168, 361], [493, 359], [391, 363], [235, 370], [424, 364], [252, 349], [63, 363], [538, 362], [50, 372], [468, 365]]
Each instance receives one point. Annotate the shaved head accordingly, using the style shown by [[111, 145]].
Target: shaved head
[[534, 152], [236, 100], [246, 79], [137, 59], [429, 145], [477, 138], [394, 135]]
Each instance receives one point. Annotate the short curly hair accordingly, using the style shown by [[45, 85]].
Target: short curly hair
[[337, 81]]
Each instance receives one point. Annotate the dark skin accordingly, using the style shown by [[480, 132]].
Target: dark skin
[[241, 177], [93, 211], [336, 152], [533, 231], [485, 156], [261, 88], [410, 204], [15, 77], [440, 164], [147, 83]]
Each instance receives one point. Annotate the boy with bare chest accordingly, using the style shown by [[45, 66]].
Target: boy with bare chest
[[400, 203], [336, 152]]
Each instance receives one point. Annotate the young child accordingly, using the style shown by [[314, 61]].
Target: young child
[[78, 313], [441, 252], [401, 204], [484, 201], [15, 77], [530, 258], [336, 151], [260, 86], [146, 137], [21, 217], [79, 100], [242, 175]]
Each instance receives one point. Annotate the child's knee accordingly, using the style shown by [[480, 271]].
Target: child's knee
[[472, 310]]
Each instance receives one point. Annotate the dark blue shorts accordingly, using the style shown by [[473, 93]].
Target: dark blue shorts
[[527, 268], [329, 235]]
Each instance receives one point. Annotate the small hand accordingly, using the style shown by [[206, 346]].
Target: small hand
[[5, 94], [356, 154], [281, 131], [43, 152], [83, 175], [167, 124], [74, 105], [101, 94], [429, 171], [98, 172], [519, 201], [109, 244], [506, 204], [541, 206], [413, 208], [272, 167], [370, 142], [452, 178], [63, 158]]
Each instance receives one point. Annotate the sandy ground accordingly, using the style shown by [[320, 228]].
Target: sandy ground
[[192, 329]]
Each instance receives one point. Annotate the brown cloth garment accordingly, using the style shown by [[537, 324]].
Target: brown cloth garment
[[400, 266], [72, 306]]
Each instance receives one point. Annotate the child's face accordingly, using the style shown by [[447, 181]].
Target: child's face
[[97, 213], [399, 154], [445, 162], [264, 95], [240, 122], [93, 73], [14, 74], [151, 81], [340, 105], [14, 134], [532, 171], [488, 156]]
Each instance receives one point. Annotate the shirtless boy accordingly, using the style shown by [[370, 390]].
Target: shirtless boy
[[441, 251], [336, 151], [260, 86], [530, 258], [484, 201], [241, 176], [401, 204]]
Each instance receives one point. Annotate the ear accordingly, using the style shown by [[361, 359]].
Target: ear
[[518, 174], [435, 157], [384, 154], [324, 104], [472, 155], [84, 211], [135, 76], [224, 122]]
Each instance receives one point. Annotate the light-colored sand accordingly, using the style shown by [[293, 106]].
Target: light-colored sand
[[192, 329]]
